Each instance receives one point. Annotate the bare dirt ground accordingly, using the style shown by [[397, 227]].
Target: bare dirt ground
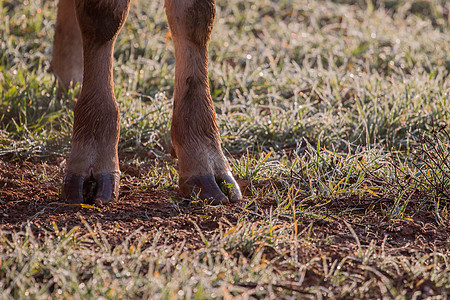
[[29, 193]]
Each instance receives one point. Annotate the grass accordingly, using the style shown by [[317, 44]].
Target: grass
[[234, 263], [334, 115]]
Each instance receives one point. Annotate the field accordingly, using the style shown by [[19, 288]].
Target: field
[[335, 118]]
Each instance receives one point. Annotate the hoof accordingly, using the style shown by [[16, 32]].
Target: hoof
[[97, 190], [216, 190], [73, 188]]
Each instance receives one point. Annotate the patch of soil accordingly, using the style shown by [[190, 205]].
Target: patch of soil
[[29, 194]]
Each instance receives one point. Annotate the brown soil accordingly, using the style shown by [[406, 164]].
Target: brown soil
[[29, 193]]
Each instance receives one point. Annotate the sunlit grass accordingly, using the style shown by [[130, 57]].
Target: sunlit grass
[[329, 111]]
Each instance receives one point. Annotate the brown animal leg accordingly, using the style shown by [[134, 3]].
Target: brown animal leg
[[96, 125], [195, 136], [67, 60]]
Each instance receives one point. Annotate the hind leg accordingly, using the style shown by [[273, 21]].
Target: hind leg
[[195, 136], [96, 117], [67, 56]]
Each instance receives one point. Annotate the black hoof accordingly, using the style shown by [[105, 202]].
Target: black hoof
[[107, 188], [97, 190], [215, 190], [73, 188], [230, 187]]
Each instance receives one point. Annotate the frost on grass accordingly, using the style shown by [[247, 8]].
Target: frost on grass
[[264, 259], [335, 117]]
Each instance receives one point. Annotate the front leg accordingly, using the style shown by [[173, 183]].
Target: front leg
[[203, 168], [96, 125]]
